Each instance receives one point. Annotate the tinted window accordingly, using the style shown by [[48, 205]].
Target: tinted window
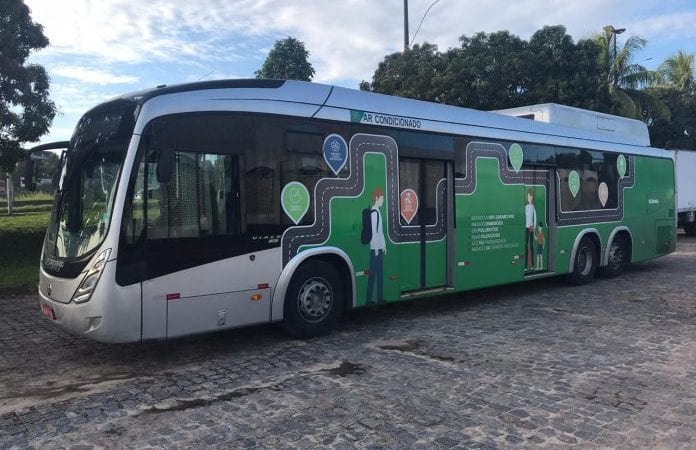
[[593, 169], [223, 196]]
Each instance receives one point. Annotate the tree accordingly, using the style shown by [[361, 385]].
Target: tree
[[677, 90], [679, 131], [488, 71], [413, 73], [624, 79], [25, 107], [678, 71], [287, 60], [562, 71]]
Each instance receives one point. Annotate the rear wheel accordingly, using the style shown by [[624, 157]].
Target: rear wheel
[[585, 262], [618, 257], [314, 300]]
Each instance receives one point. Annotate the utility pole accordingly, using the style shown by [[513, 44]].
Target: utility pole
[[406, 46], [612, 32]]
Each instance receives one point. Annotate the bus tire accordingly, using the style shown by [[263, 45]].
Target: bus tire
[[617, 259], [585, 263], [314, 300]]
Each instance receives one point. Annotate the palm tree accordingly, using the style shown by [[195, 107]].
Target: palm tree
[[625, 79], [678, 71]]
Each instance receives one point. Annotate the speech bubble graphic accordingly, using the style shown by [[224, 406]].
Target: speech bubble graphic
[[295, 200], [603, 193], [335, 152], [409, 204], [516, 156], [621, 165], [574, 183]]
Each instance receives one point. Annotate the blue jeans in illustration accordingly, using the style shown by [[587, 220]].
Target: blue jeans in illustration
[[376, 271]]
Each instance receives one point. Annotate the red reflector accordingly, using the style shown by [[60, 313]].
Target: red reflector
[[173, 296], [467, 263], [48, 312], [263, 286], [367, 272]]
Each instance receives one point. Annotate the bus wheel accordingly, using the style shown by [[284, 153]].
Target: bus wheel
[[314, 300], [586, 262], [617, 258]]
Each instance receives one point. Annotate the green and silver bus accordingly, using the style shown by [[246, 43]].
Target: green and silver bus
[[207, 206]]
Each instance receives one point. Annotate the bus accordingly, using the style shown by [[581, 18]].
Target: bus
[[213, 205]]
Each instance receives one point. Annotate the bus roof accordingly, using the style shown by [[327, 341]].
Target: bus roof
[[321, 101]]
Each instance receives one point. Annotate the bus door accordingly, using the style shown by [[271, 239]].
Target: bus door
[[539, 231], [424, 223], [200, 275]]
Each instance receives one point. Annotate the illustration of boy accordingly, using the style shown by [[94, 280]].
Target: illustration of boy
[[378, 248], [529, 224], [540, 247]]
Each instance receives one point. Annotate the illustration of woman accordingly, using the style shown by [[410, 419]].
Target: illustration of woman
[[529, 224], [378, 248]]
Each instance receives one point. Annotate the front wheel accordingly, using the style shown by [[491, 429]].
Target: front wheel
[[585, 262], [618, 257], [314, 300]]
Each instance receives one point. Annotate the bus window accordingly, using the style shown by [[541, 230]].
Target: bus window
[[201, 199]]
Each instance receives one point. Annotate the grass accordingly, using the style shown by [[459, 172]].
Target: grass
[[21, 237]]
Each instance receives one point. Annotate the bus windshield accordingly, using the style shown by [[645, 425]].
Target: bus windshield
[[88, 179]]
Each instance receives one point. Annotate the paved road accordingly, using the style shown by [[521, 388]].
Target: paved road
[[609, 364]]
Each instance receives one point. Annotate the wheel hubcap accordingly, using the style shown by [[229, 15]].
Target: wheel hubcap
[[315, 300]]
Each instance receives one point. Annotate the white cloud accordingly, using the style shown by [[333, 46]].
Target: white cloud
[[346, 38], [102, 44], [94, 76]]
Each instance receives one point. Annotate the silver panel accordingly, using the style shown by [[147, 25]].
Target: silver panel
[[111, 315], [221, 311], [211, 285], [196, 102], [483, 130]]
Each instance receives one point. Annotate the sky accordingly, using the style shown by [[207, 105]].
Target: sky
[[104, 48]]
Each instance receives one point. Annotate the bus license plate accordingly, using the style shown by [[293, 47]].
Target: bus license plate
[[48, 312]]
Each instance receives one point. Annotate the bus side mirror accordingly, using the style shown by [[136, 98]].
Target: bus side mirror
[[165, 161]]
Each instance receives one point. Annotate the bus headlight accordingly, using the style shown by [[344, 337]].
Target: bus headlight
[[89, 282]]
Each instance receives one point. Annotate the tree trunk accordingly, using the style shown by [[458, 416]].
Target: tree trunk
[[9, 189]]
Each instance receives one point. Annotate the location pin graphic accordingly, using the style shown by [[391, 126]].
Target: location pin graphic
[[295, 200], [603, 193], [335, 152], [621, 166], [574, 183], [516, 156], [409, 204]]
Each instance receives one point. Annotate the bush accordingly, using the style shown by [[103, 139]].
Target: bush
[[21, 237]]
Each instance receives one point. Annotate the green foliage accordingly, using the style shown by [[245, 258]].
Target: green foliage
[[287, 60], [678, 71], [679, 131], [562, 71], [496, 70], [624, 79], [25, 107], [21, 238], [414, 73], [488, 71]]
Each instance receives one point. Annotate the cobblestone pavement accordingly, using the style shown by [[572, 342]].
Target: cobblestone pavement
[[611, 364]]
